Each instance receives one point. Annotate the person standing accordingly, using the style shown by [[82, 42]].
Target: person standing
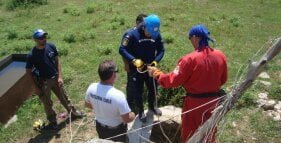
[[140, 47], [201, 73], [109, 104], [139, 20], [44, 62]]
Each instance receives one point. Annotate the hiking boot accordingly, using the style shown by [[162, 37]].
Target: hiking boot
[[52, 126], [156, 111], [142, 117], [77, 115]]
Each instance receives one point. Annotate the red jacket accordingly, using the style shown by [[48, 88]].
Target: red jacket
[[198, 72]]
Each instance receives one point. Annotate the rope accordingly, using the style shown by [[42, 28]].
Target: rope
[[135, 130], [141, 71], [156, 105]]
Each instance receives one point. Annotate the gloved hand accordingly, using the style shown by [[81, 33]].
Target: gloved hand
[[154, 64], [138, 63], [154, 72]]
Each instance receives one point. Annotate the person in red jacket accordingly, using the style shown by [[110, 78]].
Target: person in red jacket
[[201, 73]]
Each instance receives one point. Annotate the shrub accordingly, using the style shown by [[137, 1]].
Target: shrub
[[21, 46], [104, 51], [114, 25], [168, 38], [12, 34], [246, 100], [74, 11], [172, 96], [63, 51], [91, 9], [235, 21], [92, 35], [118, 19], [13, 4], [69, 38]]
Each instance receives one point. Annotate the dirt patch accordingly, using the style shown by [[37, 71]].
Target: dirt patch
[[78, 131]]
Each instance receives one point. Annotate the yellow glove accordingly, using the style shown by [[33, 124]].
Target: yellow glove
[[37, 125], [138, 63], [154, 64]]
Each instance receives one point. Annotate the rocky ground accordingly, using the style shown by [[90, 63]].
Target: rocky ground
[[272, 108]]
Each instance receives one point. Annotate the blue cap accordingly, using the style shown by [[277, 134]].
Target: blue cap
[[201, 31], [39, 33], [152, 25]]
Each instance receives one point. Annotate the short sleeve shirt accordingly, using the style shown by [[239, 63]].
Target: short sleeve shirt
[[43, 60], [108, 103]]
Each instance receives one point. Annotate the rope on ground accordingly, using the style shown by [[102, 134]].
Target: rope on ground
[[70, 129], [135, 130]]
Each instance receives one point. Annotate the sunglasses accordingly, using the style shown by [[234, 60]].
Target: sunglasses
[[42, 38]]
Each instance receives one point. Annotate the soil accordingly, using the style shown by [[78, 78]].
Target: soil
[[78, 131]]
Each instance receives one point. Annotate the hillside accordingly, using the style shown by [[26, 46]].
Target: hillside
[[87, 32]]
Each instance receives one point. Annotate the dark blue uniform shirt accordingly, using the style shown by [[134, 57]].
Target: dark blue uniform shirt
[[43, 60], [135, 45]]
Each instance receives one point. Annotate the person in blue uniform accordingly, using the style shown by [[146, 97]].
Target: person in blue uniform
[[140, 47], [139, 20]]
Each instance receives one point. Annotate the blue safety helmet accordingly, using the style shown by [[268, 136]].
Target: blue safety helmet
[[152, 25], [202, 32], [39, 33]]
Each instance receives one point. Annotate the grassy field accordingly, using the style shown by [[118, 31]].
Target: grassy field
[[87, 32]]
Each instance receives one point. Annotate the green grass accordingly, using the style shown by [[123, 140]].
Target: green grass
[[87, 32]]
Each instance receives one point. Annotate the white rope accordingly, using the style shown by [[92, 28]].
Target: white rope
[[70, 126], [156, 105], [135, 130], [141, 71]]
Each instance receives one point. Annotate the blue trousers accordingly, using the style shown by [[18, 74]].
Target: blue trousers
[[135, 90]]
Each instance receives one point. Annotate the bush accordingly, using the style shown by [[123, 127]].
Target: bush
[[246, 100], [12, 34], [114, 25], [172, 96], [91, 9], [13, 4], [69, 38], [104, 51], [74, 11], [118, 19], [168, 38], [235, 21], [92, 35], [63, 51], [21, 46]]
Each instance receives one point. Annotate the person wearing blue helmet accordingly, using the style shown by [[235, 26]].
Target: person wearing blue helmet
[[44, 64], [139, 20], [202, 73], [142, 46]]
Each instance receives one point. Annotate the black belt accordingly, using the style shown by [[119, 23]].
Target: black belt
[[109, 127], [44, 79], [221, 92]]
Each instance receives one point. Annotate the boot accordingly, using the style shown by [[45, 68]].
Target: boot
[[77, 115], [52, 126], [156, 111], [142, 117]]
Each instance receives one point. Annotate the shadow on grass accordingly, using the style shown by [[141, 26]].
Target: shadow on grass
[[46, 135]]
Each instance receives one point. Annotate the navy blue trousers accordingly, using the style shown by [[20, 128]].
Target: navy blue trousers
[[135, 90]]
